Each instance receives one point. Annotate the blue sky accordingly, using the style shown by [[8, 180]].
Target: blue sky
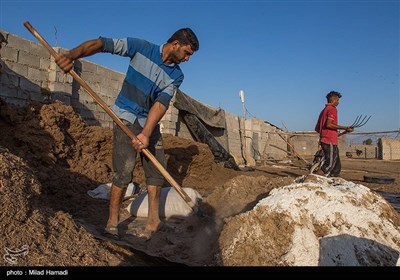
[[284, 55]]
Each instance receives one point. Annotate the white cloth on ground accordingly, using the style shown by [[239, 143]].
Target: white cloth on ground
[[103, 191]]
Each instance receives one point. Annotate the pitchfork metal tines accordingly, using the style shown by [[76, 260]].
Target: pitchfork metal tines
[[360, 121]]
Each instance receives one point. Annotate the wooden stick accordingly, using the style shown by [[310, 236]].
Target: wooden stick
[[290, 145], [117, 120]]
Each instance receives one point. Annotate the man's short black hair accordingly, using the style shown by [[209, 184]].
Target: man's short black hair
[[185, 36], [332, 93]]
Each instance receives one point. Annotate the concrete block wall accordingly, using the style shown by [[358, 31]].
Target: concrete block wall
[[275, 148], [362, 151], [105, 82], [169, 121], [24, 71], [29, 73], [389, 149], [234, 126], [305, 144]]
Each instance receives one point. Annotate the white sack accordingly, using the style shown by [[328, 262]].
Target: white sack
[[171, 203]]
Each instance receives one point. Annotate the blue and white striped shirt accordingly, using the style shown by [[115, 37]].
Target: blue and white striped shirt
[[148, 79]]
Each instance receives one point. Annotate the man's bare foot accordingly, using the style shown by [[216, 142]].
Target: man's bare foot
[[153, 226], [112, 223]]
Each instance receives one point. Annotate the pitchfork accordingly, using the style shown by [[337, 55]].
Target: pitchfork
[[359, 122]]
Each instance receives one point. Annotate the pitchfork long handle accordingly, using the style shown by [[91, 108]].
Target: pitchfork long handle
[[117, 120]]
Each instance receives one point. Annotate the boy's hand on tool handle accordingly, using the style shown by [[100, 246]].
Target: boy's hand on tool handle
[[141, 142], [347, 130]]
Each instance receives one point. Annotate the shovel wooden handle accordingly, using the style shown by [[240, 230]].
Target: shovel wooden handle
[[117, 120]]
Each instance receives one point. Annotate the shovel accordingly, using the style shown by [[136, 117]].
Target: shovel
[[118, 121]]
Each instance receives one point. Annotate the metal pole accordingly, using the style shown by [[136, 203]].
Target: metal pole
[[241, 95]]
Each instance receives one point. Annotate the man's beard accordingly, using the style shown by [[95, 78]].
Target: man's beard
[[175, 58]]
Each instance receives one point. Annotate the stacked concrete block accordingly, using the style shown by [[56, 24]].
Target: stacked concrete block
[[182, 130], [22, 78], [28, 72], [361, 151], [389, 149], [169, 121], [275, 147], [305, 143], [235, 139]]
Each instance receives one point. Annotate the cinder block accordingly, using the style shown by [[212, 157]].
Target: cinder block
[[36, 96], [37, 74], [88, 67], [38, 50], [18, 42], [185, 135], [170, 117], [84, 97], [256, 127], [168, 131], [76, 104], [86, 114], [91, 79], [91, 106], [91, 122], [44, 63], [10, 92], [61, 87], [64, 98], [118, 76], [16, 101], [8, 53], [115, 85], [105, 123], [28, 85], [99, 115], [107, 118], [16, 69], [9, 80], [31, 60], [62, 77], [168, 125], [23, 94]]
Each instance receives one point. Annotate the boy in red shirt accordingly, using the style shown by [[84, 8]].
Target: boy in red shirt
[[327, 127]]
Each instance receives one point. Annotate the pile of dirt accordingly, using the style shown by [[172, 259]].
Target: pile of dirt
[[49, 160], [194, 240], [35, 234], [241, 194], [192, 165]]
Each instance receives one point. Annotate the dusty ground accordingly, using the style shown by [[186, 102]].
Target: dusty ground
[[49, 159]]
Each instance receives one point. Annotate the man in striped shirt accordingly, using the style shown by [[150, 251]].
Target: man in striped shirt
[[152, 78]]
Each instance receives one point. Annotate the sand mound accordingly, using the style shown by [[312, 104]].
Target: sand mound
[[49, 160], [51, 238]]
